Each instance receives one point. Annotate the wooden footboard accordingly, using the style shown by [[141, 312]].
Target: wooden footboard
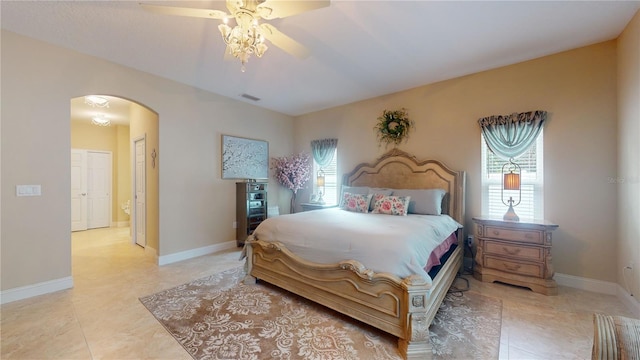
[[401, 307]]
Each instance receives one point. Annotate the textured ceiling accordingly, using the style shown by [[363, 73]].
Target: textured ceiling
[[359, 49]]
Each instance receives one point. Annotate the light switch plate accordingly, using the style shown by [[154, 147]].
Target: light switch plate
[[28, 190]]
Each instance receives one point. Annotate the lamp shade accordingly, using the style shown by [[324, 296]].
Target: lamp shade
[[511, 181], [320, 180]]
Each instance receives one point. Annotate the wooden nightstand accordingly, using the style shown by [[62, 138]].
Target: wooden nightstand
[[315, 206], [517, 253]]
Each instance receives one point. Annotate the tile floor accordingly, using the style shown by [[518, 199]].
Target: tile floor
[[101, 317]]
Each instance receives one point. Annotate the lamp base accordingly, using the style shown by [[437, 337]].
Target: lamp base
[[510, 215]]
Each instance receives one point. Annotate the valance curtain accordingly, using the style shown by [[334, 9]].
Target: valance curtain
[[323, 150], [509, 136]]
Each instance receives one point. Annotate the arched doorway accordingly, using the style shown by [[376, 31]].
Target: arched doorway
[[114, 128]]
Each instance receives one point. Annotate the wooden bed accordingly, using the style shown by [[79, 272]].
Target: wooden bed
[[402, 307]]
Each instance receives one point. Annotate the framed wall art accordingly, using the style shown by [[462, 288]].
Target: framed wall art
[[243, 158]]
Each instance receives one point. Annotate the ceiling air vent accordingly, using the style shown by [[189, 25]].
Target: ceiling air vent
[[250, 97]]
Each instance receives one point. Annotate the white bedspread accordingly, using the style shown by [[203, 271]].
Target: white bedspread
[[399, 245]]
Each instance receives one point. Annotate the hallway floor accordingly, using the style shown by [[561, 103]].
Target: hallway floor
[[102, 318]]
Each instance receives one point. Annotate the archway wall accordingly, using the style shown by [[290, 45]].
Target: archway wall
[[195, 206]]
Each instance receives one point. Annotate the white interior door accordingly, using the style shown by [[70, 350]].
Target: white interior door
[[140, 215], [99, 189], [78, 190]]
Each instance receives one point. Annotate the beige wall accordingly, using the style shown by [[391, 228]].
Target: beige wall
[[114, 139], [629, 154], [577, 88], [194, 206]]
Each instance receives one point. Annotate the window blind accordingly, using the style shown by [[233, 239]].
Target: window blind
[[531, 205], [330, 193]]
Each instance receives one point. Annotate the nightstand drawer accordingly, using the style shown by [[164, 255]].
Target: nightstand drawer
[[532, 253], [529, 236], [516, 267]]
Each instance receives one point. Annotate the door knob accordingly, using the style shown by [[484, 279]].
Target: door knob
[[84, 194]]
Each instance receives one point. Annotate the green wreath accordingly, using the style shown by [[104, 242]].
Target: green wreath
[[393, 127]]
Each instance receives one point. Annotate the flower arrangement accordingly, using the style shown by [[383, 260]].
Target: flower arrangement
[[393, 126], [292, 172]]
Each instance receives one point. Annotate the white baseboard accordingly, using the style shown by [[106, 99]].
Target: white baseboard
[[42, 288], [602, 287], [51, 286], [189, 254], [120, 224], [599, 286]]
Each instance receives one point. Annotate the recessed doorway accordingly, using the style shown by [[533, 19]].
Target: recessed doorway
[[119, 125]]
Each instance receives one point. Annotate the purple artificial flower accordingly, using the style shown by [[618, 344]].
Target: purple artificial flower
[[292, 171]]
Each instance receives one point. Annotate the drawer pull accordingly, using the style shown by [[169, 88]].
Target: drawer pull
[[496, 232], [528, 236], [512, 268], [511, 252]]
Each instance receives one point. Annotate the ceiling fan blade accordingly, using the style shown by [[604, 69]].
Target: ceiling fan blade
[[284, 42], [274, 9], [180, 11]]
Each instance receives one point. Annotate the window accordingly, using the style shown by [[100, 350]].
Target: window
[[330, 193], [531, 206]]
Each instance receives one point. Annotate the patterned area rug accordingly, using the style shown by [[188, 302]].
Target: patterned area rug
[[218, 317]]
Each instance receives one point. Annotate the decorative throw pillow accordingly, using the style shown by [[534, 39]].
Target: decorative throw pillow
[[356, 202], [378, 191], [375, 199], [362, 190], [392, 205]]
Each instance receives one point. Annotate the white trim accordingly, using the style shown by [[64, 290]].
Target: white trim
[[598, 286], [602, 287], [189, 254], [42, 288]]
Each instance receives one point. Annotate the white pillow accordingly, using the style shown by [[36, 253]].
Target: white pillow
[[423, 201]]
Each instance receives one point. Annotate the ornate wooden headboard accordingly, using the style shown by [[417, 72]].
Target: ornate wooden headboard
[[398, 170]]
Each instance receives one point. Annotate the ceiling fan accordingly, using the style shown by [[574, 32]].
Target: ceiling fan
[[248, 35]]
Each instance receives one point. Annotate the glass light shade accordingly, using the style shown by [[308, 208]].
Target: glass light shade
[[512, 181], [224, 30], [260, 49], [320, 180]]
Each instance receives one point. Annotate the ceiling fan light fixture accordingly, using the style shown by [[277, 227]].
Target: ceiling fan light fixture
[[244, 39], [248, 35]]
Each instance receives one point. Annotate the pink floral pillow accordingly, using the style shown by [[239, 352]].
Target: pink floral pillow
[[391, 205], [356, 202]]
